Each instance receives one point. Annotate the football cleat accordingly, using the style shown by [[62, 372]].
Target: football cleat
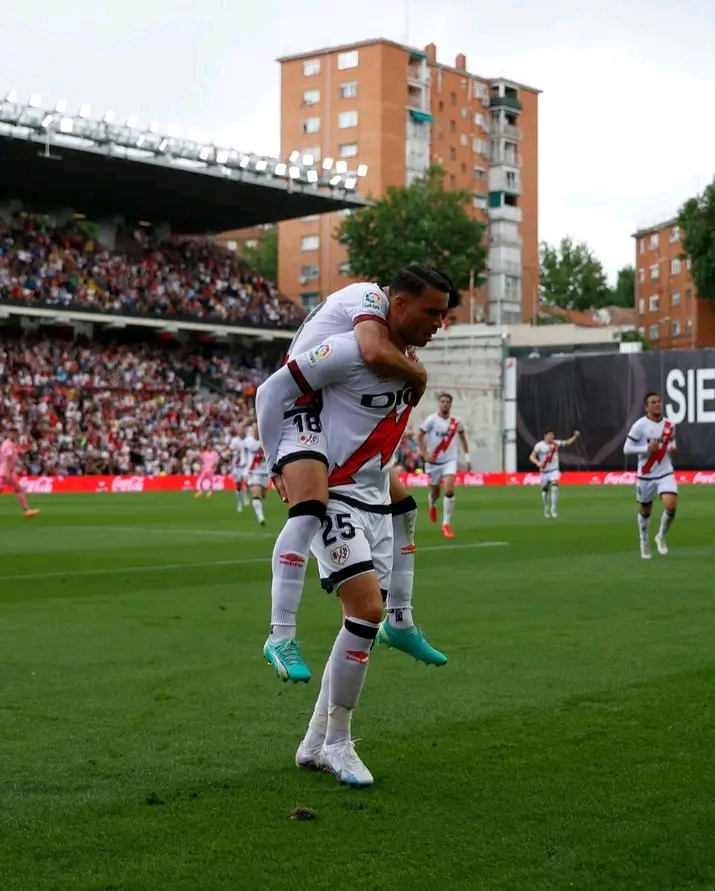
[[343, 761], [285, 657]]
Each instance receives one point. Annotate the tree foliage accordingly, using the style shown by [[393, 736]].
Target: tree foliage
[[419, 223], [696, 220], [264, 256], [624, 294], [572, 277]]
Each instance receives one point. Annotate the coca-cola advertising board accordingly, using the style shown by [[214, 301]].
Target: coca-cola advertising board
[[122, 485], [602, 395]]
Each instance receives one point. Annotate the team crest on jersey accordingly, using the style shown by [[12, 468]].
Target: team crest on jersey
[[320, 352], [371, 300], [307, 439], [340, 554]]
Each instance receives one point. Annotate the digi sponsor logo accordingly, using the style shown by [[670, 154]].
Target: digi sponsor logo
[[340, 554], [320, 352], [292, 559]]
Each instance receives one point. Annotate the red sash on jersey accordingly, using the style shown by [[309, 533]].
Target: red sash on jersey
[[447, 441], [383, 441], [550, 457], [657, 457], [258, 458]]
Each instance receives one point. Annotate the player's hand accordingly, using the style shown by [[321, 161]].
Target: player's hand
[[280, 488], [577, 434], [653, 445]]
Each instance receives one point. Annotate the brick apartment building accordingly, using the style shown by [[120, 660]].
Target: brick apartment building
[[396, 110], [668, 311]]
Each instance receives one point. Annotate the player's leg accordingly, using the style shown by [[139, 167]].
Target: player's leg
[[199, 485], [238, 480], [545, 483], [645, 490], [243, 493], [668, 490], [555, 491], [435, 480], [450, 474], [258, 492], [16, 486]]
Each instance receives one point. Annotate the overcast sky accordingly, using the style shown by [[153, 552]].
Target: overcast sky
[[627, 128]]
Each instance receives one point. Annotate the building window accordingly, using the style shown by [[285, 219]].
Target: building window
[[347, 119], [348, 60], [310, 242], [675, 267], [641, 306], [480, 92], [311, 97], [452, 181], [452, 98], [348, 150], [653, 332], [675, 298], [655, 271], [654, 241], [479, 201], [441, 105], [314, 152], [311, 218], [463, 139], [689, 325], [479, 120], [674, 234], [689, 295], [344, 269], [307, 273], [311, 125], [687, 263], [463, 112], [641, 275], [452, 126], [310, 300], [453, 154], [311, 67], [676, 328], [479, 146], [480, 173], [641, 246], [349, 90], [510, 179], [653, 304]]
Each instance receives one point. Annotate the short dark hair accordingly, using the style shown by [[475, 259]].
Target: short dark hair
[[416, 278], [446, 396], [648, 395], [549, 430]]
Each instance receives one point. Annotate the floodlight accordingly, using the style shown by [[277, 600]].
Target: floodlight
[[335, 181], [294, 173], [61, 106], [66, 125], [312, 176], [11, 96], [350, 182], [327, 164], [109, 117], [47, 120], [131, 122], [341, 167], [308, 160], [205, 153], [261, 165], [164, 145], [84, 111], [294, 157], [362, 170], [280, 169], [221, 157], [244, 162], [35, 100], [154, 128]]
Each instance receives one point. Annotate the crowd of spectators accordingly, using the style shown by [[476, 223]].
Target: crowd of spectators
[[191, 279]]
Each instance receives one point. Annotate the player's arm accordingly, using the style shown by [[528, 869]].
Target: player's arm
[[465, 445], [637, 444], [422, 441], [534, 458], [378, 351], [572, 439]]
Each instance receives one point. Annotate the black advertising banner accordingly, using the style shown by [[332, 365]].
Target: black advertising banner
[[602, 395]]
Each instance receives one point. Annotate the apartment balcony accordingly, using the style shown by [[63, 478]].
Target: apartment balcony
[[509, 159], [500, 238], [503, 180], [505, 267], [505, 212], [510, 102], [500, 128]]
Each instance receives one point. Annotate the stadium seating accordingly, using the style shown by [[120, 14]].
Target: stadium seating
[[181, 280]]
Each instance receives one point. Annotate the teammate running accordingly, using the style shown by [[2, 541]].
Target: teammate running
[[9, 478], [240, 468], [257, 471], [437, 443], [652, 439], [546, 457]]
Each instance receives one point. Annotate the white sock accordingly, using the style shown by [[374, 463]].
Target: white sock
[[447, 508], [399, 595], [554, 497], [665, 520], [545, 497], [243, 496], [289, 563], [239, 500], [318, 725], [643, 527], [348, 667], [258, 508]]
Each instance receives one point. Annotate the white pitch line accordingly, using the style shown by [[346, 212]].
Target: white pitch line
[[161, 567]]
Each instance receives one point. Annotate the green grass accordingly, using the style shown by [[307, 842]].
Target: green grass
[[146, 746]]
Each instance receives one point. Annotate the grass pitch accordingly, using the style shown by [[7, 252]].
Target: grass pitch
[[146, 746]]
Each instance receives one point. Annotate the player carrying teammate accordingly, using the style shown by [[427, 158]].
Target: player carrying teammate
[[546, 457], [8, 472], [652, 439], [437, 444], [240, 468], [257, 471]]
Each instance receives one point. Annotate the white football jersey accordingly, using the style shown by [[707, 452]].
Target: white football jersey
[[548, 454], [338, 314], [238, 448], [254, 456], [364, 417], [441, 437], [651, 465]]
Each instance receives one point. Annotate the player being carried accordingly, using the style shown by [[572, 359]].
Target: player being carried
[[300, 469], [240, 468], [546, 457], [209, 461], [257, 471], [8, 471], [364, 417], [652, 439], [437, 443]]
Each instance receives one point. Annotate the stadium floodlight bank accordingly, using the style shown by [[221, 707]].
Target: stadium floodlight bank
[[57, 127]]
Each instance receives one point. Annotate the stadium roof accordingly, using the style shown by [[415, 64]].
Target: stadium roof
[[50, 161]]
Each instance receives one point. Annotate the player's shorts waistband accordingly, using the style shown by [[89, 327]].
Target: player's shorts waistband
[[653, 479], [361, 505]]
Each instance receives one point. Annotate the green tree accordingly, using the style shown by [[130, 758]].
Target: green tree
[[264, 256], [624, 294], [572, 277], [419, 223], [696, 220]]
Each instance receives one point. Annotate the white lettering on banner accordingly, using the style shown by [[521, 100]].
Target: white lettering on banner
[[128, 484], [473, 479], [41, 485], [627, 478], [689, 396], [704, 479], [531, 479]]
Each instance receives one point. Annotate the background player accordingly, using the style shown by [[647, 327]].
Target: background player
[[437, 443], [652, 439], [545, 456], [240, 468], [257, 471], [209, 461], [8, 471]]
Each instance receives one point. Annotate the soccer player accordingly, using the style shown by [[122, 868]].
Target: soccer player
[[301, 461], [545, 456], [437, 443], [240, 468], [257, 471], [652, 439], [8, 472], [209, 461]]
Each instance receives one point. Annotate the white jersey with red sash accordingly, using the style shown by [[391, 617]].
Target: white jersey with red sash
[[548, 455], [653, 465], [441, 437]]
